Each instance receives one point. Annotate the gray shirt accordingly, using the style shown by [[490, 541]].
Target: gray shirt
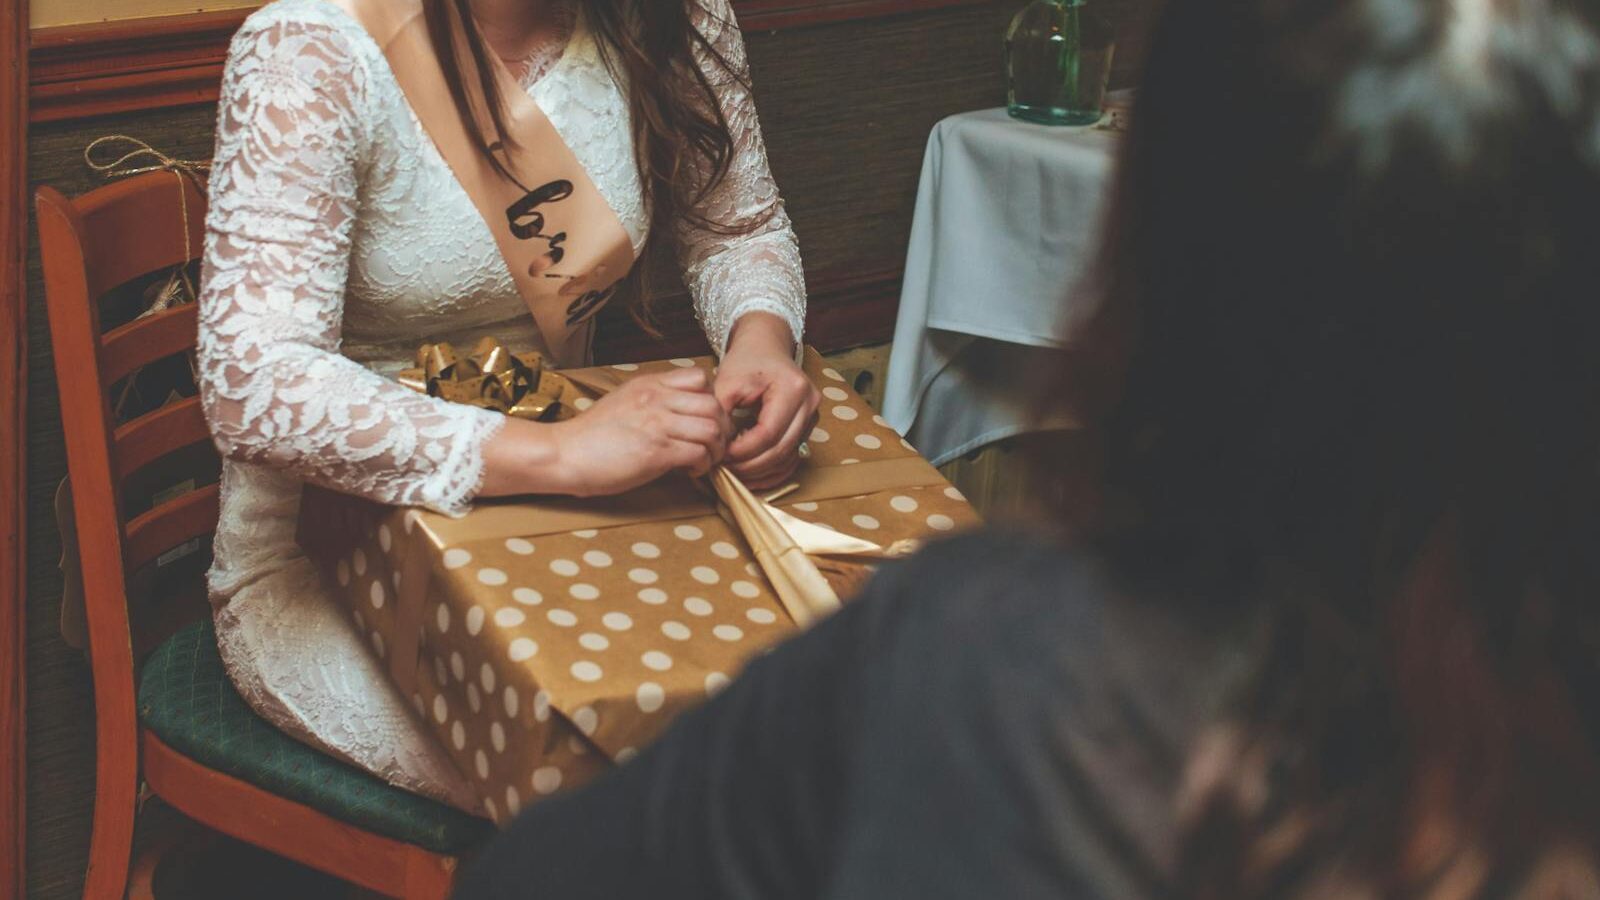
[[990, 719]]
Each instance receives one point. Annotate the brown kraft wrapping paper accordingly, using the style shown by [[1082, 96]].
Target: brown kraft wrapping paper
[[543, 640]]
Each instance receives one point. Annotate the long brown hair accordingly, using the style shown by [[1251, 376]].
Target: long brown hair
[[682, 143], [1351, 299]]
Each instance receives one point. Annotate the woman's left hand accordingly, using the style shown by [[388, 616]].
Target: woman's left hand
[[758, 370]]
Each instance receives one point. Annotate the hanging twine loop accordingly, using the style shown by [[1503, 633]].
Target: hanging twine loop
[[139, 158]]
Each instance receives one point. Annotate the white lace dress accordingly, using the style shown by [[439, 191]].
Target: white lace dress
[[337, 240]]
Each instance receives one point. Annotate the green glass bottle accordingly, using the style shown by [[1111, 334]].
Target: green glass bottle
[[1058, 60]]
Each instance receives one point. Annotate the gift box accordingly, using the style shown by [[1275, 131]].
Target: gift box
[[545, 639]]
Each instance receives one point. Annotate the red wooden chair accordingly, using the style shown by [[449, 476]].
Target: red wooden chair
[[256, 785]]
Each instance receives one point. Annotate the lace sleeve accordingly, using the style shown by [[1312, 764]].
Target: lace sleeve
[[283, 199], [732, 274]]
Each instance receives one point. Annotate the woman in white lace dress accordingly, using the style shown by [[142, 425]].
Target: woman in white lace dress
[[338, 239]]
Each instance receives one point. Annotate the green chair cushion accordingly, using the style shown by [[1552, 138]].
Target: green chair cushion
[[185, 697]]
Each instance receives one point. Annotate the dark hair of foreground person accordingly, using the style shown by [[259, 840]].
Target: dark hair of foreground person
[[1326, 622], [1353, 288]]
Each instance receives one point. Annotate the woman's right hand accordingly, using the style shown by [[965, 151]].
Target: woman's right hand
[[650, 426]]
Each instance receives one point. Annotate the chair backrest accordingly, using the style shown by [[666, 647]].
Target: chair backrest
[[89, 246]]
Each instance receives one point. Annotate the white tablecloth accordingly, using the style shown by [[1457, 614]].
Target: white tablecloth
[[1007, 222]]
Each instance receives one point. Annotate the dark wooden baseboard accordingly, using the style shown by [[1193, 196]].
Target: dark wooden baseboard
[[79, 71]]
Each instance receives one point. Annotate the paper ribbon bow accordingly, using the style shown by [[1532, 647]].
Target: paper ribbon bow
[[791, 551], [492, 377]]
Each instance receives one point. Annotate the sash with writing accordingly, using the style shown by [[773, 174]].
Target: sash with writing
[[564, 245]]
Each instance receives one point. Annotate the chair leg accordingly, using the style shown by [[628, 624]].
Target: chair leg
[[115, 803], [180, 846], [429, 876]]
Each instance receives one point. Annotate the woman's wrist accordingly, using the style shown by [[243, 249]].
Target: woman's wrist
[[761, 333], [524, 458]]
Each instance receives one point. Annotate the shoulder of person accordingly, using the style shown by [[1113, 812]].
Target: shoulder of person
[[992, 581], [994, 556], [716, 20], [301, 26]]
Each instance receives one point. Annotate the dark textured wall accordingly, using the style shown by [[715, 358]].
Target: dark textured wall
[[847, 109]]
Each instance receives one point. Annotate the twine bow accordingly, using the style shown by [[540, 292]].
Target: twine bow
[[491, 377]]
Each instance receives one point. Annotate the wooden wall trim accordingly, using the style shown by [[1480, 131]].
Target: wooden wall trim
[[139, 64], [13, 431], [77, 71]]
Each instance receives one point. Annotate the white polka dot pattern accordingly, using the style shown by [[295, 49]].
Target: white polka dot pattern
[[650, 697], [586, 719], [545, 656], [547, 780]]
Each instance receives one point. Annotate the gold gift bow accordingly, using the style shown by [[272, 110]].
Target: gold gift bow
[[491, 377]]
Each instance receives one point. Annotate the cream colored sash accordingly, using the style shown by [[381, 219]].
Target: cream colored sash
[[564, 245]]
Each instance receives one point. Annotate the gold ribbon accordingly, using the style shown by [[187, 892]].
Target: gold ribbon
[[794, 576], [491, 377]]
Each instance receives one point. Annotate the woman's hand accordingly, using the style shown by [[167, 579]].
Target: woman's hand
[[758, 370], [650, 426]]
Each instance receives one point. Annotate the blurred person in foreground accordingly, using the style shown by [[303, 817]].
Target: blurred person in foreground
[[1327, 624]]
